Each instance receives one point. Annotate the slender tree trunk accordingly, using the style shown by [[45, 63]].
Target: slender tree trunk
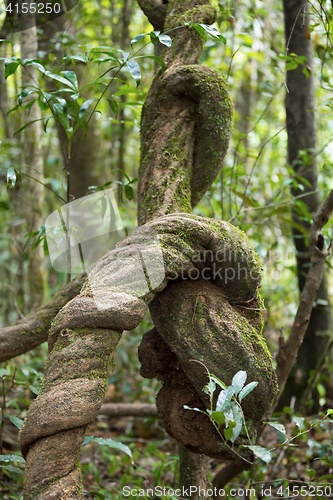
[[33, 158], [301, 128], [85, 150]]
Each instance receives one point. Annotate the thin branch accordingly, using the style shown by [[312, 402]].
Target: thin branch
[[230, 63], [32, 331], [252, 170], [288, 351]]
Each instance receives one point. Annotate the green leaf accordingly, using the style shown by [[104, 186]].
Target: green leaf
[[47, 97], [306, 71], [124, 174], [87, 439], [301, 59], [228, 431], [71, 76], [32, 62], [198, 28], [247, 389], [210, 387], [138, 38], [311, 473], [84, 107], [13, 109], [16, 421], [46, 122], [238, 381], [260, 452], [129, 192], [79, 57], [11, 469], [324, 478], [154, 36], [114, 106], [291, 65], [23, 95], [4, 40], [234, 416], [46, 253], [61, 115], [213, 32], [11, 66], [115, 444], [113, 55], [11, 178], [11, 458], [135, 71], [224, 398], [299, 421], [42, 104], [218, 381], [278, 427], [218, 417], [30, 103], [165, 39], [61, 79], [35, 390]]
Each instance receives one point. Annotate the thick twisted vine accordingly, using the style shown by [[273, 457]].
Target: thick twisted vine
[[87, 330], [186, 120], [199, 276]]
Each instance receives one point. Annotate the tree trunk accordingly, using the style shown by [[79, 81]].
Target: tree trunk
[[85, 152], [121, 38], [301, 128], [33, 158]]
